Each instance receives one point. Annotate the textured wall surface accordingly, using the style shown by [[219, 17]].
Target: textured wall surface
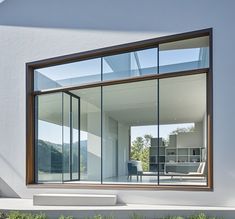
[[31, 30]]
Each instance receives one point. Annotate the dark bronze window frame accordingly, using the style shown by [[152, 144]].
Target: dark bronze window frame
[[145, 44]]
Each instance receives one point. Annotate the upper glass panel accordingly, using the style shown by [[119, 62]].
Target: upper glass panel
[[75, 73], [184, 55], [132, 64], [181, 55]]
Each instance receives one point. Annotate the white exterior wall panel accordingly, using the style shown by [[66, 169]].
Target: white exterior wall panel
[[34, 30]]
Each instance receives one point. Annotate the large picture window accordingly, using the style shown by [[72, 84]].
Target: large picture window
[[135, 115]]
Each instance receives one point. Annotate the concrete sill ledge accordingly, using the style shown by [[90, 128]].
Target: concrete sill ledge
[[74, 200]]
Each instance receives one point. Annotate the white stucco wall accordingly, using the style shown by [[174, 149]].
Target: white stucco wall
[[31, 30]]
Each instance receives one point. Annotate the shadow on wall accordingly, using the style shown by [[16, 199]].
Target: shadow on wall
[[6, 191], [122, 15], [8, 163]]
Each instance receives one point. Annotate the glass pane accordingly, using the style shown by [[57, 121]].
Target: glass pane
[[183, 129], [131, 64], [49, 160], [66, 137], [90, 134], [130, 107], [184, 55], [75, 73], [75, 138]]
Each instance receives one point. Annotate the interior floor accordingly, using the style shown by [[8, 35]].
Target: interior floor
[[166, 180]]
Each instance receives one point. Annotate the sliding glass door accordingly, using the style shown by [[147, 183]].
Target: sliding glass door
[[57, 137], [148, 132], [71, 137]]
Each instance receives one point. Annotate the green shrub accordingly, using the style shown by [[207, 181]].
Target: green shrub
[[173, 217], [42, 216], [102, 217], [97, 217], [19, 215], [3, 215], [64, 217], [16, 215], [201, 216], [137, 216]]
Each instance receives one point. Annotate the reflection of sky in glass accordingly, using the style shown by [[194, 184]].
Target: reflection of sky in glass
[[53, 133], [72, 70], [106, 67], [49, 132], [169, 57], [147, 58]]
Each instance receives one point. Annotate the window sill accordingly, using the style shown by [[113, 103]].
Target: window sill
[[119, 187]]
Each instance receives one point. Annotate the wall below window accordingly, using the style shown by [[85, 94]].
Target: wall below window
[[26, 37]]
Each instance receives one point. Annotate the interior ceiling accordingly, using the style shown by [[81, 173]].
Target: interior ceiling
[[182, 99]]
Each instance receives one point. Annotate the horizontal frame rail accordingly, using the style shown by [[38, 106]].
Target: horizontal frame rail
[[122, 81]]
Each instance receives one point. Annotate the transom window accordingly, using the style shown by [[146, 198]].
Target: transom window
[[137, 115]]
